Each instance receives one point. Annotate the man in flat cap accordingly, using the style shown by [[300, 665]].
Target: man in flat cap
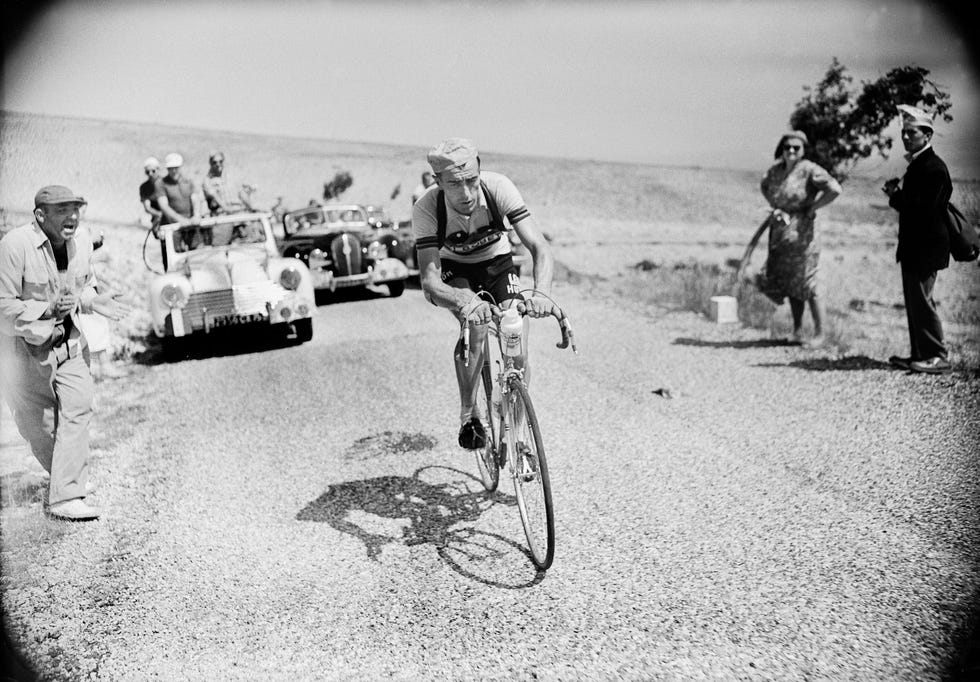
[[463, 248], [46, 281], [923, 241]]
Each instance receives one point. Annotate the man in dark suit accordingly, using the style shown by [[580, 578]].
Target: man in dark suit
[[923, 242]]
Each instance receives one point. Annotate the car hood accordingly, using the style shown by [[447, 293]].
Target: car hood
[[220, 269]]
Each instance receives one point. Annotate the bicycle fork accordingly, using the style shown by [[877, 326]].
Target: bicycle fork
[[522, 464]]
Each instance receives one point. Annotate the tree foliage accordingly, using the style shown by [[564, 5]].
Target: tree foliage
[[845, 125], [340, 183]]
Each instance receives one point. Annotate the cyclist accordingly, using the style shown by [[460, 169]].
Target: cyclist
[[463, 248]]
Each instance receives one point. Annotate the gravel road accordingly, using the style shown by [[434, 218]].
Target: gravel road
[[727, 508]]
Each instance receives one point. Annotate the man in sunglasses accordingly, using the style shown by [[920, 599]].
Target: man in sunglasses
[[217, 189], [923, 242], [148, 192], [463, 248]]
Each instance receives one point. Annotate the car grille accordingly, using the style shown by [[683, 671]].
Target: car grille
[[244, 299], [346, 263]]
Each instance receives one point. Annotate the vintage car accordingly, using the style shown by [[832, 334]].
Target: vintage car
[[377, 216], [399, 239], [342, 249], [225, 272]]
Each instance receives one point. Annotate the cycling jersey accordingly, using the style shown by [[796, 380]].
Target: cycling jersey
[[467, 238]]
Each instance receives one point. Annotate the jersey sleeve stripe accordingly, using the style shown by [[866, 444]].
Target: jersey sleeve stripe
[[517, 215], [427, 242]]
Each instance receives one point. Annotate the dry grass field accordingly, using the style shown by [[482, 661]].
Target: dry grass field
[[663, 236]]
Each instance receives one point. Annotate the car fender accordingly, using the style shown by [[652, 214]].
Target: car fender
[[158, 311], [277, 265]]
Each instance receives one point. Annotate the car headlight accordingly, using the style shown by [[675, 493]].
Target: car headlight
[[376, 251], [290, 278], [173, 296], [318, 257]]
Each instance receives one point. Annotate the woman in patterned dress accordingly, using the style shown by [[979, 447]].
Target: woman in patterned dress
[[796, 188]]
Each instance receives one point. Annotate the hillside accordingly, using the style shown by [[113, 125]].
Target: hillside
[[603, 218], [104, 161]]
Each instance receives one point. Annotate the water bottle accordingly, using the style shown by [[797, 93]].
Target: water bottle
[[511, 328]]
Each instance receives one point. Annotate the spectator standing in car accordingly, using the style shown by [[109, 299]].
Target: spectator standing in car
[[427, 181], [46, 282], [148, 192], [217, 189], [923, 241], [176, 195]]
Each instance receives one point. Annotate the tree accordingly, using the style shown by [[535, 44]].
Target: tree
[[845, 126], [341, 182]]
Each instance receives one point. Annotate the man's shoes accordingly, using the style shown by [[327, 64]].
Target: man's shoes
[[899, 361], [935, 365], [74, 510], [471, 435]]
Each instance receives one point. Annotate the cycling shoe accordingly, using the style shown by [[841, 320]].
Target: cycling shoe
[[471, 435]]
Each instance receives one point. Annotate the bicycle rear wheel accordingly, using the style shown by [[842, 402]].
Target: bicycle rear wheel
[[486, 457], [531, 481]]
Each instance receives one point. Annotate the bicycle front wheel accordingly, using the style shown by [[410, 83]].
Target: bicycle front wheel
[[531, 481], [486, 457]]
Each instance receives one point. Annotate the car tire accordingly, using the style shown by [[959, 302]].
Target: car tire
[[175, 347], [304, 330], [396, 289]]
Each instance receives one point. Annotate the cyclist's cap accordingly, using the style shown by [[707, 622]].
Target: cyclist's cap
[[455, 156], [151, 163], [173, 160], [915, 116], [57, 194]]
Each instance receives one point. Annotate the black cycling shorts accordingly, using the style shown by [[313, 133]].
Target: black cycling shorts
[[497, 276]]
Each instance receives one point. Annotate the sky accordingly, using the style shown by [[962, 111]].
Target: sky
[[670, 82]]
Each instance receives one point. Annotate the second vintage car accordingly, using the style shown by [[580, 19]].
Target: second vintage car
[[226, 272], [342, 249]]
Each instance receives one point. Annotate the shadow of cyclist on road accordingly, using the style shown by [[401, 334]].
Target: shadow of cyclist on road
[[411, 511], [425, 512]]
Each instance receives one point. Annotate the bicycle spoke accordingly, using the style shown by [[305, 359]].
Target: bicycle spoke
[[486, 458], [531, 481]]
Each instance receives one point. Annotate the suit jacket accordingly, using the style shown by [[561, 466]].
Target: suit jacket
[[923, 240]]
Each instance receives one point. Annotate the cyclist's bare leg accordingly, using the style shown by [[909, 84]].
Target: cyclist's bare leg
[[468, 375]]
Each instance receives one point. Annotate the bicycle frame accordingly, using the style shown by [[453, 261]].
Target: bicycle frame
[[514, 435], [504, 377]]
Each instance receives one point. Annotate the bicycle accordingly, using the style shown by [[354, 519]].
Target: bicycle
[[513, 435]]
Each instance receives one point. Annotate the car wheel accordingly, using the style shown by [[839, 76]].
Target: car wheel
[[304, 330], [175, 347], [396, 289]]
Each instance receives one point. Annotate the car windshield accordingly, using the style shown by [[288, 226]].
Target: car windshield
[[192, 238], [318, 217]]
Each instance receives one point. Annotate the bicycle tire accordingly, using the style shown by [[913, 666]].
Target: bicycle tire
[[486, 457], [532, 484]]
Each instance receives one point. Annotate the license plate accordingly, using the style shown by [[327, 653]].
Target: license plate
[[240, 318]]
